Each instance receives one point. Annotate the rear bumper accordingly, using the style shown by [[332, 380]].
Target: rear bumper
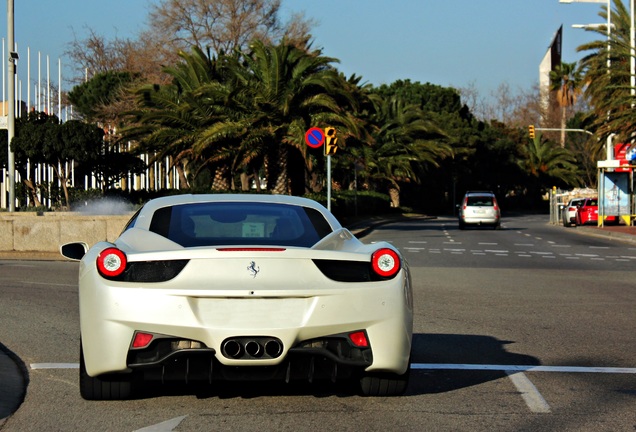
[[111, 314], [329, 358], [480, 220]]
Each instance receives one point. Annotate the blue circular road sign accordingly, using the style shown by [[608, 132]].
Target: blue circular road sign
[[315, 137]]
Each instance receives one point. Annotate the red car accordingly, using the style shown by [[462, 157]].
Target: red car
[[587, 211]]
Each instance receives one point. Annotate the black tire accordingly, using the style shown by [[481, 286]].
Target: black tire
[[104, 387], [385, 384]]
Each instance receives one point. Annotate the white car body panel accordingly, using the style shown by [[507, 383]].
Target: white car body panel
[[221, 294]]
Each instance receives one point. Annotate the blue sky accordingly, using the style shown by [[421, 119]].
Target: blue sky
[[445, 42]]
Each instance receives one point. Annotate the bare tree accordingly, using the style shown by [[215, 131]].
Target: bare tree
[[95, 54], [222, 25]]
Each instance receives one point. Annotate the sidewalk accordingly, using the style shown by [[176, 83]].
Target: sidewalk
[[615, 232]]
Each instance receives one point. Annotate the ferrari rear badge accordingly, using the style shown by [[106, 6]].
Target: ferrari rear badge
[[253, 269]]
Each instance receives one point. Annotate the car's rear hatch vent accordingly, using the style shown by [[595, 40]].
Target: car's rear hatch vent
[[346, 271]]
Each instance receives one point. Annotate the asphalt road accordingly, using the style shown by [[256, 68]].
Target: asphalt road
[[526, 328]]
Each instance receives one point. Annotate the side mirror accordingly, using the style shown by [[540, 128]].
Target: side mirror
[[74, 251]]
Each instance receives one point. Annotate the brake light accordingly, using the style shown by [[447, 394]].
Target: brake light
[[111, 262], [141, 340], [495, 205], [385, 262], [359, 339]]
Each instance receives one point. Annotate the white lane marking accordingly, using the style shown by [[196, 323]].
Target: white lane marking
[[599, 247], [54, 365], [587, 255], [524, 244], [561, 246], [417, 241], [524, 368], [488, 244], [496, 251], [529, 392]]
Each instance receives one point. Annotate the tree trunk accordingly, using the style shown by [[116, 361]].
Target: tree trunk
[[394, 194], [61, 175], [245, 181], [221, 181], [277, 179], [563, 124], [183, 180]]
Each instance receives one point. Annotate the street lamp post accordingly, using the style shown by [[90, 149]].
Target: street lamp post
[[13, 57]]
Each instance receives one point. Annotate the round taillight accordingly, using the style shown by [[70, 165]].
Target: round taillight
[[111, 262], [385, 262]]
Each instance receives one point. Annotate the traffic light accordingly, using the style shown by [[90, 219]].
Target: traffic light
[[331, 141], [531, 131]]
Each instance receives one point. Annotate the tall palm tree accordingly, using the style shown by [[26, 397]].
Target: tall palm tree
[[285, 90], [566, 80], [170, 119], [546, 162], [405, 142], [608, 88]]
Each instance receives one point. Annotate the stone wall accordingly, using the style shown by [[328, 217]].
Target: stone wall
[[23, 233]]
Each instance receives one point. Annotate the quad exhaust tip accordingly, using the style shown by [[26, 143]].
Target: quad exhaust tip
[[251, 348]]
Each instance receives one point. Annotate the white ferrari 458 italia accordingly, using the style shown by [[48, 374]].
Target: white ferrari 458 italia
[[241, 287]]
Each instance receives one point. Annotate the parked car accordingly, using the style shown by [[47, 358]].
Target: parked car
[[203, 288], [568, 213], [479, 208], [587, 211]]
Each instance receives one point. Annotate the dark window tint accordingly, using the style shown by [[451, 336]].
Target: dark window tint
[[237, 223]]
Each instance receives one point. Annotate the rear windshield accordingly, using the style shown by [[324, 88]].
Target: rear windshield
[[239, 223], [480, 200]]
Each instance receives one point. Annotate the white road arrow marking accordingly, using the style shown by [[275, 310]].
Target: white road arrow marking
[[167, 426]]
